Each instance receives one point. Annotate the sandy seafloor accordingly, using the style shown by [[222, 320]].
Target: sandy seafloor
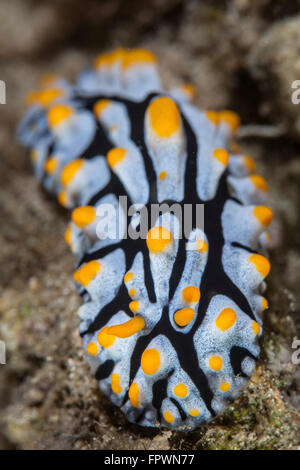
[[242, 55]]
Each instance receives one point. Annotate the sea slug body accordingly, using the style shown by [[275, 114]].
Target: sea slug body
[[170, 325]]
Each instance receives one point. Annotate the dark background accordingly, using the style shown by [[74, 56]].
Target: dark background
[[240, 54]]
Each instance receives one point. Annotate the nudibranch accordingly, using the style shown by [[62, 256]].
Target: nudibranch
[[170, 325]]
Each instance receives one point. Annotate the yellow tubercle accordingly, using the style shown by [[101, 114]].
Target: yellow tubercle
[[67, 235], [231, 118], [59, 113], [250, 163], [221, 155], [133, 394], [181, 390], [100, 106], [213, 117], [138, 57], [109, 58], [92, 349], [127, 329], [259, 182], [62, 198], [115, 156], [44, 97], [168, 417], [202, 246], [134, 306], [184, 316], [191, 294], [224, 387], [104, 339], [162, 175], [226, 319], [83, 216], [261, 263], [264, 303], [51, 165], [31, 98], [215, 363], [255, 327], [132, 292], [189, 89], [150, 361], [126, 58], [263, 214], [87, 272], [115, 383], [128, 277], [158, 239], [164, 116], [70, 171]]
